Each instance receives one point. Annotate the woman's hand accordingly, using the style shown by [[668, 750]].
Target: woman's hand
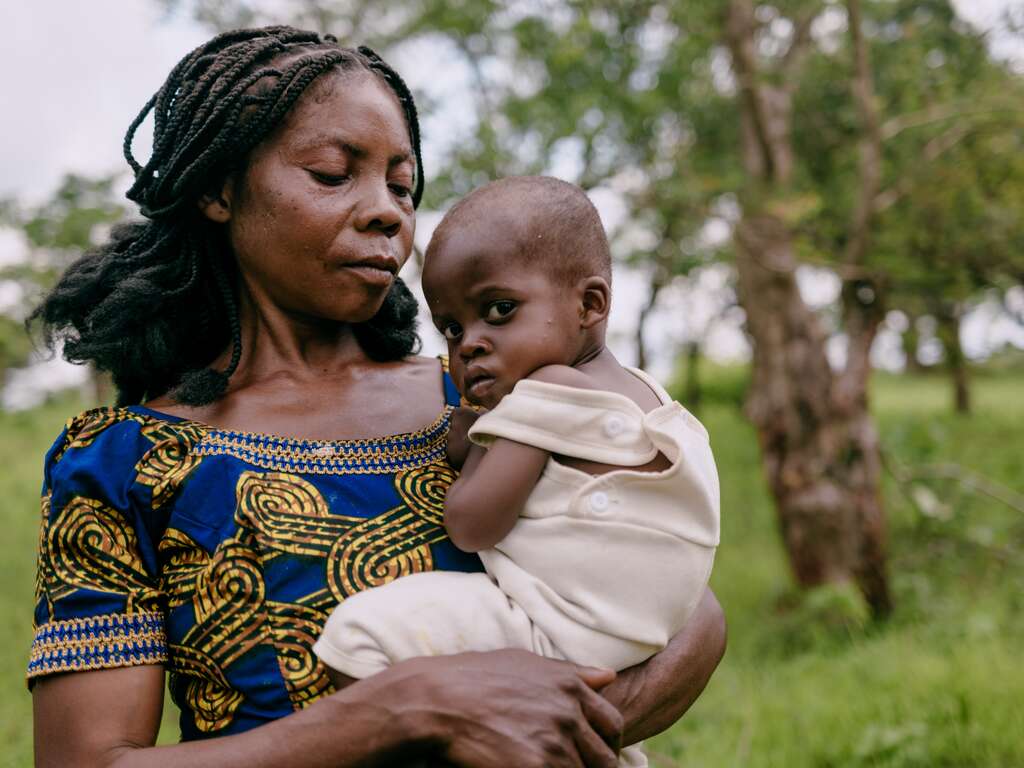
[[506, 708]]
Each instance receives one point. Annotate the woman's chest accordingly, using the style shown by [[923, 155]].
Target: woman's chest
[[253, 560]]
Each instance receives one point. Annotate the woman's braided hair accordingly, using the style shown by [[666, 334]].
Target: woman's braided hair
[[156, 304]]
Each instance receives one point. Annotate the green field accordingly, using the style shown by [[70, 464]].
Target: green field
[[806, 680]]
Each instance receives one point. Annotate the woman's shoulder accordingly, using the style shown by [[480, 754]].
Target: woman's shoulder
[[113, 444]]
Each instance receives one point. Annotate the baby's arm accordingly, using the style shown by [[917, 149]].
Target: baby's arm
[[483, 504], [458, 435]]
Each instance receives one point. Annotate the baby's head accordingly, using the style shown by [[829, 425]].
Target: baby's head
[[517, 276]]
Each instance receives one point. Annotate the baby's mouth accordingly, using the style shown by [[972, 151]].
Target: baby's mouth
[[478, 386]]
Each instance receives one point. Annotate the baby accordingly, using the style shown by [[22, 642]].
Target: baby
[[591, 497]]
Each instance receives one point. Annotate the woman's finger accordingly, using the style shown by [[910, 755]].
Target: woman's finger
[[603, 718], [593, 749], [595, 677]]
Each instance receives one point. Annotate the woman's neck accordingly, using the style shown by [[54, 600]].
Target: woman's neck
[[276, 342]]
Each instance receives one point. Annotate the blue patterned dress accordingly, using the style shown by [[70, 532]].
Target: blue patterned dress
[[220, 554]]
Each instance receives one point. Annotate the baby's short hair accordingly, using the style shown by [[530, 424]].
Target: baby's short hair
[[554, 222]]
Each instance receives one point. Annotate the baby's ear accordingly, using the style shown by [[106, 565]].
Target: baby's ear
[[216, 206], [596, 300]]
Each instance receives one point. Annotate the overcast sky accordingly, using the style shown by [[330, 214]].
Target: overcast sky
[[79, 71]]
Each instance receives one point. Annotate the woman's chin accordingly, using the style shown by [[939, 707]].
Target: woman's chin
[[356, 312]]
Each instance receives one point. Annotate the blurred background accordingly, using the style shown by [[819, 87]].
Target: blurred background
[[816, 213]]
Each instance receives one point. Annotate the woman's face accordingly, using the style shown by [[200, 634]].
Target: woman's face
[[322, 219]]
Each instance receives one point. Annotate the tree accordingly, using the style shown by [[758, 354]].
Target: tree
[[943, 230], [767, 115], [56, 232]]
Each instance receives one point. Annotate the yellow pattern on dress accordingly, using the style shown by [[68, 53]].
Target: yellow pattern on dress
[[208, 694], [43, 570], [287, 514], [86, 426], [295, 628], [93, 546], [171, 459], [282, 514]]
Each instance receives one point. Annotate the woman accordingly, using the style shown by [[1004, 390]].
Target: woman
[[260, 298]]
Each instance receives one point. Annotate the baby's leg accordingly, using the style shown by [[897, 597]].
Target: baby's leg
[[426, 614]]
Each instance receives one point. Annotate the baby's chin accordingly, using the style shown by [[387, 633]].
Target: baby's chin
[[488, 397]]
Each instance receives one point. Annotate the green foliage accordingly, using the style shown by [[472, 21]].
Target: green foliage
[[15, 346], [724, 385], [952, 174], [638, 96], [59, 229], [805, 682], [56, 232]]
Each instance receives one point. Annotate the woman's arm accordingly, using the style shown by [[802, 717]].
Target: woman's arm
[[473, 710], [655, 694]]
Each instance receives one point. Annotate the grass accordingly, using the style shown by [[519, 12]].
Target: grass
[[806, 681]]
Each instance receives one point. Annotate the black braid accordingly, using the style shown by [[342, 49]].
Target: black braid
[[408, 107], [156, 303]]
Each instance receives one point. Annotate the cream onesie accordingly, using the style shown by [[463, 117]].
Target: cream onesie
[[600, 570]]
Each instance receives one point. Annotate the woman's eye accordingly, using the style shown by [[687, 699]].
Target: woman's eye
[[329, 179], [499, 310], [400, 190], [452, 331]]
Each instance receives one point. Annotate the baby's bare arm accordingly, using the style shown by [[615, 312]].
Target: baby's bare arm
[[458, 435], [483, 504]]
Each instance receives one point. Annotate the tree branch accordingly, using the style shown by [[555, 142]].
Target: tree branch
[[861, 299], [796, 54], [934, 149], [739, 35], [869, 145]]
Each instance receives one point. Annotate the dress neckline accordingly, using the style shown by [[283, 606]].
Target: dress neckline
[[270, 439], [425, 434]]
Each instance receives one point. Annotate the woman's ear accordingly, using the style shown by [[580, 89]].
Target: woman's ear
[[596, 301], [217, 206]]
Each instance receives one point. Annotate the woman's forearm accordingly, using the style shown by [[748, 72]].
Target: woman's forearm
[[486, 710], [372, 736], [375, 723], [653, 695]]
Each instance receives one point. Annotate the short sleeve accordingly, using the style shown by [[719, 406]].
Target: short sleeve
[[590, 424], [98, 600]]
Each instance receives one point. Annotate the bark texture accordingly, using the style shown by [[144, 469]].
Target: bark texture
[[949, 334], [818, 443]]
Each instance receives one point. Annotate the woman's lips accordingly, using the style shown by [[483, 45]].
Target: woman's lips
[[377, 270], [372, 274]]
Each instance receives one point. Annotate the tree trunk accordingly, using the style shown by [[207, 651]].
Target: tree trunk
[[819, 446], [949, 334], [691, 387], [911, 339], [657, 283], [818, 443]]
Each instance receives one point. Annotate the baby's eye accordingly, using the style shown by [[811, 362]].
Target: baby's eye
[[499, 310], [452, 331]]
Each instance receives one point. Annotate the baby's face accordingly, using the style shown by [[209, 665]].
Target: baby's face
[[503, 318]]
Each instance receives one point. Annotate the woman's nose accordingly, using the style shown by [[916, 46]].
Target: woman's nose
[[378, 209]]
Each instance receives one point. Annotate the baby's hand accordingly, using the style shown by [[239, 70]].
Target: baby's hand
[[458, 436]]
